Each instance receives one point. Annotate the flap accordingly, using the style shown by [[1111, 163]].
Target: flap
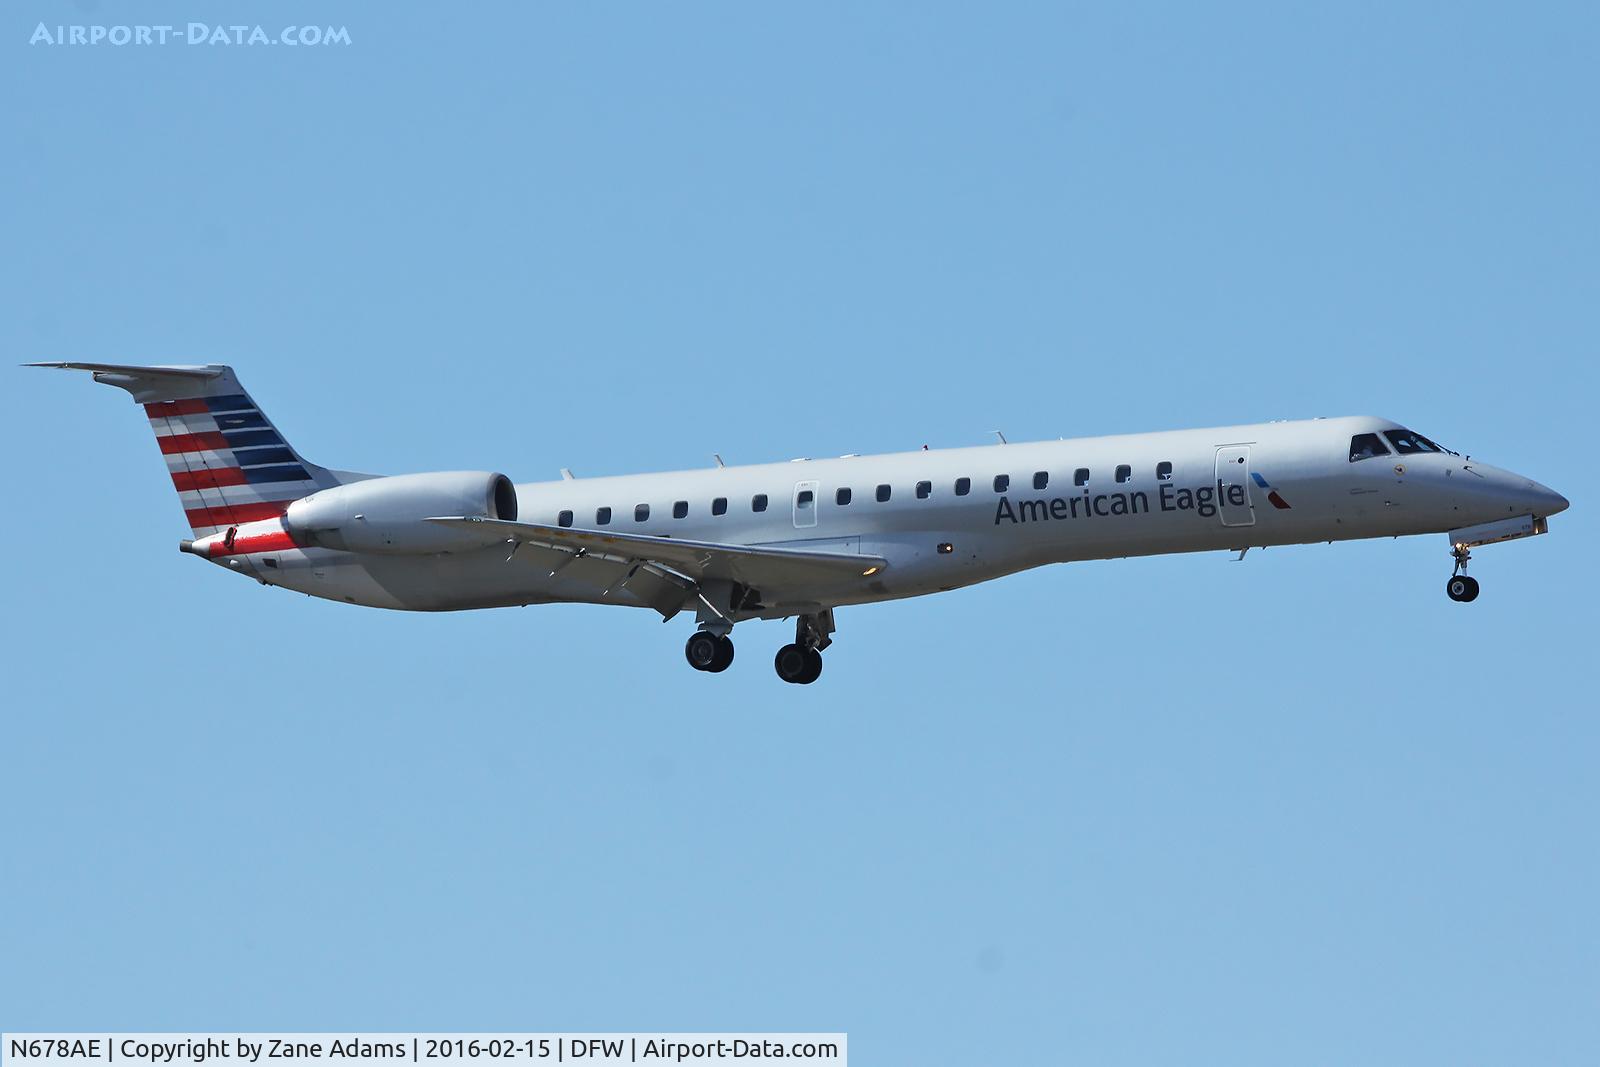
[[774, 571]]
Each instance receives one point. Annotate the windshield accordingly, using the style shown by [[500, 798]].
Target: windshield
[[1408, 443], [1367, 445]]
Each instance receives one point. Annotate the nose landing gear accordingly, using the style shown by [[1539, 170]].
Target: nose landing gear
[[1460, 588]]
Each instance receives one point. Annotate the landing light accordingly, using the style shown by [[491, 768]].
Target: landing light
[[869, 572]]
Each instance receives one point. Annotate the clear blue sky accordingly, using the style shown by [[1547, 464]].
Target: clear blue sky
[[1296, 809]]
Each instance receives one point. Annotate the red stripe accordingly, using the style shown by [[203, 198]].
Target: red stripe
[[235, 514], [207, 479], [276, 541], [209, 440], [176, 407]]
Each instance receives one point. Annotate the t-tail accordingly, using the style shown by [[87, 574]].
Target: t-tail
[[229, 464]]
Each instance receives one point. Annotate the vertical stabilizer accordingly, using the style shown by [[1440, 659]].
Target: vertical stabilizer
[[228, 463]]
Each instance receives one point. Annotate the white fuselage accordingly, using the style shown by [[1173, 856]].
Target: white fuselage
[[1230, 487]]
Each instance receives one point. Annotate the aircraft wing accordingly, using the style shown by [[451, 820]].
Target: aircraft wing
[[775, 572]]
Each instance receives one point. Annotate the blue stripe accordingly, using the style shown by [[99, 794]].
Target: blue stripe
[[240, 420], [255, 457], [1262, 482], [246, 438], [291, 473], [236, 402]]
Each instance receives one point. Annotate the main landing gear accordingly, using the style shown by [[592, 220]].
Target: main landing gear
[[802, 666], [1460, 588], [709, 652], [710, 649], [801, 662]]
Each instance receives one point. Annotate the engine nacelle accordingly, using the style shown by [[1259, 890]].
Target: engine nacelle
[[384, 515]]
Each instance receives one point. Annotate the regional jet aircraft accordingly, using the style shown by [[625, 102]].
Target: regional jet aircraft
[[800, 539]]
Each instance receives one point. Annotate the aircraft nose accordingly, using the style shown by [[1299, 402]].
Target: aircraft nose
[[1539, 499], [1519, 493], [1546, 500]]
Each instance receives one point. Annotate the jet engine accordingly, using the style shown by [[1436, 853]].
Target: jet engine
[[385, 515]]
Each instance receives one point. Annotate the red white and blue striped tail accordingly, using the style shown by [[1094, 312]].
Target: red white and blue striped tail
[[229, 464]]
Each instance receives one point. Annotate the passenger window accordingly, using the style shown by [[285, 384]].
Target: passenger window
[[602, 516], [1365, 446], [1002, 482], [804, 498], [564, 519], [758, 502], [1080, 477], [1407, 443], [641, 512], [1041, 479], [963, 486], [1124, 472], [841, 496], [1164, 471], [924, 490], [719, 506], [883, 494], [680, 510]]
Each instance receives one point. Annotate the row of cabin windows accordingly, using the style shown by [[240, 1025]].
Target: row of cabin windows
[[680, 510], [843, 495], [1041, 479]]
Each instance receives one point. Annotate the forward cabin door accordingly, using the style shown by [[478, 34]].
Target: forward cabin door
[[805, 504], [1233, 486]]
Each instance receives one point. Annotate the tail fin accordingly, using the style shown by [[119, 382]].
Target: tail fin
[[228, 463]]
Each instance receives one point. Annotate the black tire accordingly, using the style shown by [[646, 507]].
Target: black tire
[[791, 663], [813, 667], [1472, 591], [724, 655], [1461, 589], [702, 650]]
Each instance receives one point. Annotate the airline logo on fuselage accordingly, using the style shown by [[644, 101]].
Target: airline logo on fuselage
[[1272, 494], [1204, 501]]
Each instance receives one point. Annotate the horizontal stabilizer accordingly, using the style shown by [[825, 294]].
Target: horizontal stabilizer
[[150, 385], [180, 371]]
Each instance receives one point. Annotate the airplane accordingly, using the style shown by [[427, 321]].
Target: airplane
[[804, 538]]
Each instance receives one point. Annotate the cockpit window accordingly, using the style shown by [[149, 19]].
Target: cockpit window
[[1367, 445], [1407, 443]]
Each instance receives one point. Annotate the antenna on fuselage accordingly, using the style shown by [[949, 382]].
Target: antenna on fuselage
[[1000, 435], [718, 457], [566, 474]]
